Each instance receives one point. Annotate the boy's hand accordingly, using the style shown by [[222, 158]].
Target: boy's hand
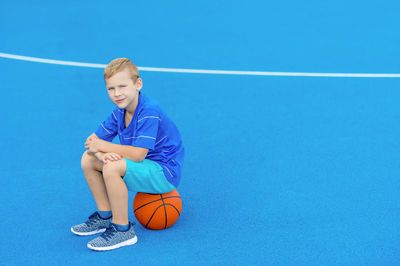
[[108, 157], [93, 144], [91, 136]]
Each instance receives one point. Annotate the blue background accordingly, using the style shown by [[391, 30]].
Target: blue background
[[278, 170]]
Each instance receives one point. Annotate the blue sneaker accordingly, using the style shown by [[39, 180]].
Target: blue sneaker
[[94, 225], [112, 238]]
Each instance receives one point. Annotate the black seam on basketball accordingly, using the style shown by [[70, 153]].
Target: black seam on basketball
[[155, 201], [152, 215], [146, 204], [165, 210], [174, 208]]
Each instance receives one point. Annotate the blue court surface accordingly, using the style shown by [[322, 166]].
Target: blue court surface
[[279, 170]]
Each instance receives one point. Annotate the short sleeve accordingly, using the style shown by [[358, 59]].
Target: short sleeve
[[109, 128], [146, 131]]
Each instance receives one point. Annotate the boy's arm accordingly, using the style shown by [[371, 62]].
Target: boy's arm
[[132, 153], [95, 145], [99, 155]]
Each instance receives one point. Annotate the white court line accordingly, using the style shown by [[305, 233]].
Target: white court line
[[204, 71]]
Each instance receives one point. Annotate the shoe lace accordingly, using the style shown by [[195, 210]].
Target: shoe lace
[[92, 219], [109, 233]]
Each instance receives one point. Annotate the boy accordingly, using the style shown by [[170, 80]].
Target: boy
[[149, 158]]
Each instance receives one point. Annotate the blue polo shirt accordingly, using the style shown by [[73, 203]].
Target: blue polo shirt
[[152, 129]]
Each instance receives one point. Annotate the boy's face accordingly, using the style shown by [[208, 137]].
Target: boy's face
[[122, 90]]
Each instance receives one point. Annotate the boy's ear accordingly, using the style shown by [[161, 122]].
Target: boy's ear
[[139, 84]]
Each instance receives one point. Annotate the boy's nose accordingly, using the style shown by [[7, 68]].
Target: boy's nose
[[117, 92]]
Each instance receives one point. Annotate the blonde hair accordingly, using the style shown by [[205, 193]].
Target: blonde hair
[[118, 65]]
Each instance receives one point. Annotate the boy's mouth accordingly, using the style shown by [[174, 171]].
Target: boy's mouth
[[120, 101]]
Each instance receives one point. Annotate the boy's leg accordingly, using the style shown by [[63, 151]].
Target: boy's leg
[[92, 168], [117, 190]]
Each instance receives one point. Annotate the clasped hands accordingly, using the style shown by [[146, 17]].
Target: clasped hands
[[94, 146]]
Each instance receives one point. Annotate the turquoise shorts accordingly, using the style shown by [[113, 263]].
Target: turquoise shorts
[[146, 176]]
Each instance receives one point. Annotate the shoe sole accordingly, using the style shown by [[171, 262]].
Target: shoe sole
[[128, 242], [88, 233]]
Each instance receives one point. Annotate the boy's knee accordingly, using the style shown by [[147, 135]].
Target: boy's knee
[[88, 160], [114, 168]]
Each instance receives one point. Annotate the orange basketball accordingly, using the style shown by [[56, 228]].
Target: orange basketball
[[157, 211]]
